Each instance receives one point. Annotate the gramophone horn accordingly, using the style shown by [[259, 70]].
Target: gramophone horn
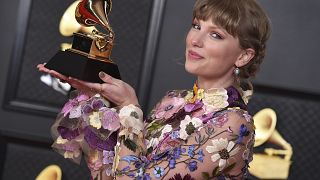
[[269, 165], [91, 12], [265, 122], [68, 23]]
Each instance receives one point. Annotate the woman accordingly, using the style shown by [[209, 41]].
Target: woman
[[204, 133]]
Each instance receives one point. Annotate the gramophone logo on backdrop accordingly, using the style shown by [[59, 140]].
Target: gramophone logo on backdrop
[[274, 163]]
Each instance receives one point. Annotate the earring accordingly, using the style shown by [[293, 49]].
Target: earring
[[236, 71]]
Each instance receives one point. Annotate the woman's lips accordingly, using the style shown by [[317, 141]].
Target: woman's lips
[[194, 55]]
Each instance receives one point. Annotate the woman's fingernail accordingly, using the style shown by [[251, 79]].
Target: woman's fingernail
[[102, 74]]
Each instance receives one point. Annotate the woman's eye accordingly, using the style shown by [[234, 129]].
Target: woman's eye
[[195, 26], [216, 35]]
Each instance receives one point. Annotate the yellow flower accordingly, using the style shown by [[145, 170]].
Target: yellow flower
[[189, 96], [60, 140], [200, 94], [94, 120]]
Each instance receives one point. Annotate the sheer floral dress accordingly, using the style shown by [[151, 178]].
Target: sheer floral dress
[[193, 134]]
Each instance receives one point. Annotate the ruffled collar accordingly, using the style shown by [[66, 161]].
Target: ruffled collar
[[219, 98]]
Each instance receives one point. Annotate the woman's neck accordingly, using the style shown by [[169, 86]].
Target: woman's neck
[[209, 83]]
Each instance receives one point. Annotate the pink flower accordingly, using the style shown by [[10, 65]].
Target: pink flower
[[110, 120], [72, 103], [168, 107]]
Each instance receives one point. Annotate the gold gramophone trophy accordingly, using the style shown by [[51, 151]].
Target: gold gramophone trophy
[[89, 53], [273, 163]]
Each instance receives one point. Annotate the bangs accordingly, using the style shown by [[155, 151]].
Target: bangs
[[223, 13]]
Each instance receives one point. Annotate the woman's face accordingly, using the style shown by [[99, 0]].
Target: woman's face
[[211, 52]]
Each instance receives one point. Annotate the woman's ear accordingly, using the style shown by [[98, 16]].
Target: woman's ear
[[245, 57]]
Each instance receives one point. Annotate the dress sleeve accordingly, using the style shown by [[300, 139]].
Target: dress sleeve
[[217, 148]]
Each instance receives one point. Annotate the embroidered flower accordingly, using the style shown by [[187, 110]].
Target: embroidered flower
[[179, 177], [110, 120], [158, 172], [72, 103], [95, 105], [189, 96], [193, 166], [94, 120], [243, 131], [188, 126], [223, 150], [200, 155], [130, 119], [72, 149], [193, 106], [168, 107], [215, 99], [172, 163], [75, 112], [220, 119], [191, 151], [108, 157], [169, 143], [174, 134]]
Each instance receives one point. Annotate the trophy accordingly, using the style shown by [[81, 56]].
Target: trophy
[[89, 53]]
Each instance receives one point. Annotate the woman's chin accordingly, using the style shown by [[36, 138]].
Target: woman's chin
[[190, 69]]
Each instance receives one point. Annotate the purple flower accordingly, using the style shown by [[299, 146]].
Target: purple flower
[[243, 131], [110, 120], [206, 117], [69, 106], [191, 151], [168, 107], [179, 177], [193, 166], [220, 120], [172, 163], [108, 157], [174, 134], [67, 133], [73, 103], [193, 106], [177, 152], [96, 143], [200, 155], [95, 105], [234, 98]]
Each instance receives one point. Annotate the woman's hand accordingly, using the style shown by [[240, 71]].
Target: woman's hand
[[65, 79], [115, 90]]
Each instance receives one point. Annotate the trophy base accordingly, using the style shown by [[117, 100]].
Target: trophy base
[[81, 67]]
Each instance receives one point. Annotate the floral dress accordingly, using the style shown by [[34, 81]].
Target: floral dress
[[193, 134]]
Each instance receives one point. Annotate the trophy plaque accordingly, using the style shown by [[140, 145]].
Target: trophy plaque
[[90, 53]]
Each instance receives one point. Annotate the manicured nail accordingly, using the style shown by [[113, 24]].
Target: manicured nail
[[102, 74]]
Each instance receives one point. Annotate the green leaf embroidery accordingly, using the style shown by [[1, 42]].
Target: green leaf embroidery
[[130, 145], [215, 172], [205, 175], [229, 168]]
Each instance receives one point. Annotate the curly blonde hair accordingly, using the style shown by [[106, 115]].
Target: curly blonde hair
[[244, 19]]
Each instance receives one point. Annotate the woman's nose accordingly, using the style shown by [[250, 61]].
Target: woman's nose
[[197, 41]]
